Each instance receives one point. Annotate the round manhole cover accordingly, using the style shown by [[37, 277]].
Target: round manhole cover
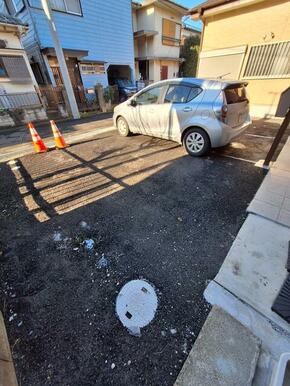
[[136, 305]]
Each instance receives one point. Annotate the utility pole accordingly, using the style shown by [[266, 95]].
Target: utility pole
[[61, 60]]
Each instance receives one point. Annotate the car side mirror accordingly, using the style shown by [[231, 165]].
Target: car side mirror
[[133, 103]]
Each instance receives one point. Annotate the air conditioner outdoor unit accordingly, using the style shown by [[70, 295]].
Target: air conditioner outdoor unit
[[3, 43]]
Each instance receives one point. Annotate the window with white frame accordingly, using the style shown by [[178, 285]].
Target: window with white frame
[[67, 6], [271, 60]]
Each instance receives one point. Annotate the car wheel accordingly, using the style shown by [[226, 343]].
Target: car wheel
[[123, 127], [196, 142]]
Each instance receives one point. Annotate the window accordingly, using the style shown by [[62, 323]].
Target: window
[[235, 94], [3, 7], [15, 68], [181, 94], [194, 92], [270, 60], [149, 97], [170, 33], [3, 73], [68, 6]]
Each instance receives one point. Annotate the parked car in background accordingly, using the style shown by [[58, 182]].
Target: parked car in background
[[126, 88], [199, 113]]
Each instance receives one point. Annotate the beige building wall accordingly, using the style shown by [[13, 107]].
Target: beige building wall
[[134, 20], [150, 18], [146, 18], [173, 68], [262, 22], [163, 50], [15, 48]]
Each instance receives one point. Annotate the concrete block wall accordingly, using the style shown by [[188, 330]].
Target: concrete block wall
[[34, 114], [23, 116], [6, 120]]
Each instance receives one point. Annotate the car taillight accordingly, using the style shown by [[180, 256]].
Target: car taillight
[[221, 112], [220, 108], [224, 111]]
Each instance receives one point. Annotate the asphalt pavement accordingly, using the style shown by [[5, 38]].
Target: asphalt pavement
[[153, 213]]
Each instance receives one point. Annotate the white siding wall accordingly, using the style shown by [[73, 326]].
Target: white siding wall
[[104, 29], [13, 42]]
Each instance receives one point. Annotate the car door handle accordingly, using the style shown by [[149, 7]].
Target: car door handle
[[187, 109]]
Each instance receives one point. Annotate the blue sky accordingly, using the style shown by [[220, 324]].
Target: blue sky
[[191, 4]]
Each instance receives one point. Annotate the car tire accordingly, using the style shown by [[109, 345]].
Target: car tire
[[123, 127], [196, 142]]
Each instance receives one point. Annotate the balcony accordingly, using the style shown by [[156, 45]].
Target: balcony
[[144, 33]]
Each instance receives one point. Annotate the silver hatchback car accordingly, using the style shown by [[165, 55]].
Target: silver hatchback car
[[198, 113]]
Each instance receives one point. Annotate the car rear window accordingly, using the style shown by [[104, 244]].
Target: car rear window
[[235, 94], [181, 93]]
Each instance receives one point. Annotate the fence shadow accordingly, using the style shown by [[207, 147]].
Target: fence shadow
[[59, 182]]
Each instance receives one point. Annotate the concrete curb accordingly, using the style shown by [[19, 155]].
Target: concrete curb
[[7, 371], [225, 354]]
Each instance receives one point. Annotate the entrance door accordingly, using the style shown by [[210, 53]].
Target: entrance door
[[57, 76], [144, 69], [74, 72], [163, 72]]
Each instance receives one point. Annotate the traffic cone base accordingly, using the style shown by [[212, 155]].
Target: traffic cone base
[[58, 138], [39, 145]]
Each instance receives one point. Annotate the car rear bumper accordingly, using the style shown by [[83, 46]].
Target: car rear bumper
[[228, 133]]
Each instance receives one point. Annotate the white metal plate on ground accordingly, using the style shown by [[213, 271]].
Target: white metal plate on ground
[[136, 305]]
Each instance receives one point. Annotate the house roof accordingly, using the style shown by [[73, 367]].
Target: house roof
[[67, 52], [7, 19], [192, 29], [199, 9], [136, 5], [165, 58], [167, 3], [174, 3]]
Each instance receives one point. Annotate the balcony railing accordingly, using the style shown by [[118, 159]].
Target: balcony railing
[[19, 100]]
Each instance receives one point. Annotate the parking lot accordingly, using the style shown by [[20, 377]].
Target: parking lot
[[153, 213]]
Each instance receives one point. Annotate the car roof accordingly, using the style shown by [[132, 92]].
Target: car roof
[[202, 82]]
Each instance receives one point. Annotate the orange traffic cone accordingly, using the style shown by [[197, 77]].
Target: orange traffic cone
[[58, 138], [39, 145]]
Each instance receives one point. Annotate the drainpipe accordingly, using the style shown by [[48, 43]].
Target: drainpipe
[[61, 60]]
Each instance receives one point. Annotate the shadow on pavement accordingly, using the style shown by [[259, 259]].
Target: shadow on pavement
[[154, 213]]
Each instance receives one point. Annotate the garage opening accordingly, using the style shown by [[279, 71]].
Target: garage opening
[[118, 72], [120, 77]]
